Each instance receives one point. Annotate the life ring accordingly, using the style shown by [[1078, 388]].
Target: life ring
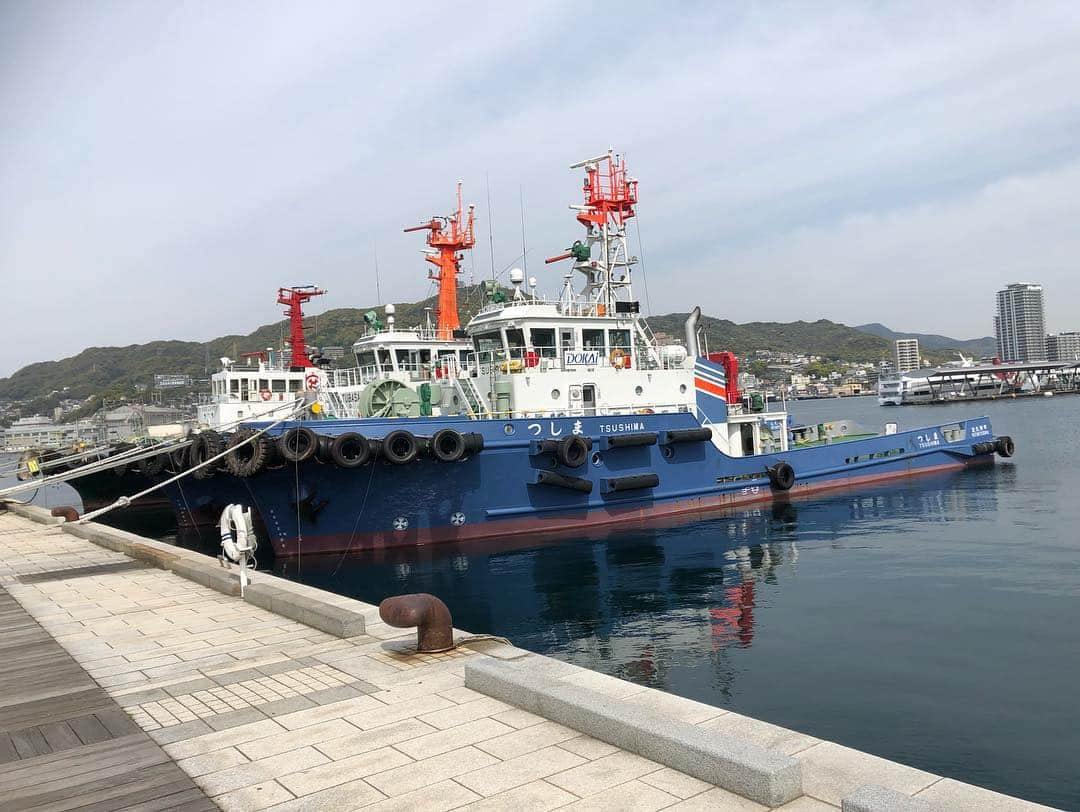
[[400, 447], [350, 450], [311, 381], [618, 358], [265, 394], [448, 445], [298, 444], [572, 451], [782, 476]]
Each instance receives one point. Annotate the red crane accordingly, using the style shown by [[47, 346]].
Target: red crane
[[448, 236], [293, 299]]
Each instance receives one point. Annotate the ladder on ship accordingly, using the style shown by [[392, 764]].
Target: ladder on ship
[[475, 403], [646, 342]]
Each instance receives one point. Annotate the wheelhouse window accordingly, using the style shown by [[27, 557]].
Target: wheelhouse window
[[385, 362], [294, 385], [234, 386], [366, 358], [264, 383], [619, 340], [515, 340], [402, 357], [488, 345], [592, 340], [543, 341], [278, 385]]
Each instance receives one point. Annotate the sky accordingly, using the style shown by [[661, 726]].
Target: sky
[[165, 166]]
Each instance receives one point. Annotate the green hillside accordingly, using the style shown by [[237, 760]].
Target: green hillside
[[101, 370]]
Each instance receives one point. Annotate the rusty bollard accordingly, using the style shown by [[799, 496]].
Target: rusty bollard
[[68, 514], [434, 628]]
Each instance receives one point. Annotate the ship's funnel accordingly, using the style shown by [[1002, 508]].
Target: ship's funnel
[[691, 332]]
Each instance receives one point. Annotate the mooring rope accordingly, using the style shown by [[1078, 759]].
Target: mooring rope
[[131, 455], [124, 501]]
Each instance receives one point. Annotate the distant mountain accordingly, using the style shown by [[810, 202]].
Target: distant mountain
[[826, 338], [101, 370], [978, 347]]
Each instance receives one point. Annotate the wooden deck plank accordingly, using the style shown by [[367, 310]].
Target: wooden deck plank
[[65, 744]]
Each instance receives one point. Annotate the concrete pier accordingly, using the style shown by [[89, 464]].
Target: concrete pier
[[296, 699]]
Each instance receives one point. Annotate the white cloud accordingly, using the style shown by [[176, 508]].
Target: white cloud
[[203, 154]]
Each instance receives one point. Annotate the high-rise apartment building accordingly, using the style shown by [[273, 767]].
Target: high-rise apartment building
[[1020, 324], [906, 354], [1063, 347]]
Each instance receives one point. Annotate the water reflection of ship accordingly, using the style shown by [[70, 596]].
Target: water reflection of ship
[[649, 604]]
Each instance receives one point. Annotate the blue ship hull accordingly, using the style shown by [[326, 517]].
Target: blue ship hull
[[319, 507]]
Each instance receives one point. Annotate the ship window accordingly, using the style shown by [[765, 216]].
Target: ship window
[[278, 385], [543, 341], [384, 360], [366, 358], [263, 384], [515, 338], [424, 356], [592, 340], [619, 340], [488, 344], [294, 385], [234, 386]]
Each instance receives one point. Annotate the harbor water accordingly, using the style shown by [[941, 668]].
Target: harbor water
[[932, 621]]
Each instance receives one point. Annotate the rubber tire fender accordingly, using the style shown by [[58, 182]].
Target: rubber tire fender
[[249, 459], [400, 447], [152, 466], [350, 450], [572, 451], [205, 445], [448, 445], [298, 444], [1005, 446], [782, 476]]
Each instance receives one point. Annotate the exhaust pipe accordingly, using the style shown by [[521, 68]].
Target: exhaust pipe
[[434, 627], [692, 320]]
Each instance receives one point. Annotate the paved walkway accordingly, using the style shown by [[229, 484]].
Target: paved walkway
[[263, 712]]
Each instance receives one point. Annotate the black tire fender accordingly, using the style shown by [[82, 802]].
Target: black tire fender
[[204, 445], [448, 445], [573, 451], [246, 459], [1005, 446], [782, 476], [350, 450], [298, 444], [400, 447]]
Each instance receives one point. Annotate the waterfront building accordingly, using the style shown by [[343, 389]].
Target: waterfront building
[[1063, 346], [906, 354], [1020, 324], [39, 431]]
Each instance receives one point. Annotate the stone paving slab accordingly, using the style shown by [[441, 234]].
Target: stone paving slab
[[372, 725]]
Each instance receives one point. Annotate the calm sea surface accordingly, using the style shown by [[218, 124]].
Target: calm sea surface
[[935, 621]]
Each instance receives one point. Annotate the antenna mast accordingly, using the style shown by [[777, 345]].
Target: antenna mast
[[448, 236], [610, 197], [293, 299]]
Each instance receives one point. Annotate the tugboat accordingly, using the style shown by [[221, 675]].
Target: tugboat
[[577, 419]]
